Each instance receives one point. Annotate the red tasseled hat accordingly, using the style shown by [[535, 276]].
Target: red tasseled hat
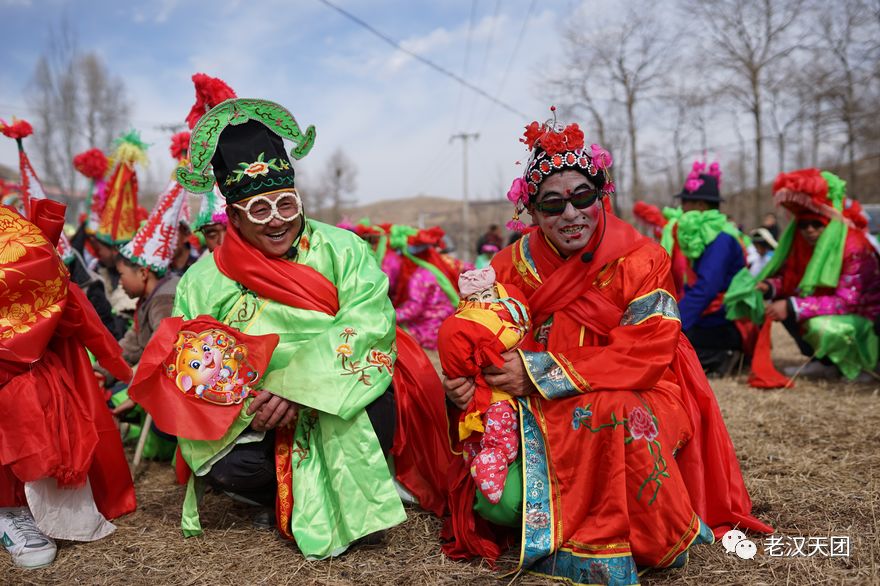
[[17, 130], [210, 91], [802, 191], [91, 163], [431, 236], [180, 145]]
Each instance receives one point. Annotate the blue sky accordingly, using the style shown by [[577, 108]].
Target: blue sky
[[392, 115]]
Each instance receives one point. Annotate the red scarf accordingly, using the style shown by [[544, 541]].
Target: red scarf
[[275, 278], [567, 280]]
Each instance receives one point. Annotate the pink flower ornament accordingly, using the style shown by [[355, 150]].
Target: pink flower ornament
[[692, 184], [601, 158], [518, 194]]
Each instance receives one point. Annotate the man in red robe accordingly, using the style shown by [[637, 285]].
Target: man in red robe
[[626, 461]]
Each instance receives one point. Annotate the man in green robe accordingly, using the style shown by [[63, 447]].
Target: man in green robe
[[314, 439]]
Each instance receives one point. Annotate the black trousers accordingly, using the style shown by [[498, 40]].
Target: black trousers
[[714, 345], [794, 329], [249, 469]]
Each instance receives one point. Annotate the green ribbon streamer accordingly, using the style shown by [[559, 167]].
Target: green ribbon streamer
[[398, 241], [667, 238]]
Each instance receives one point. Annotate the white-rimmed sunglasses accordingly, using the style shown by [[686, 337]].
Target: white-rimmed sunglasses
[[260, 209]]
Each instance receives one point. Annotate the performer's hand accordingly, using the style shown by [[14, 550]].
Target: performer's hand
[[512, 377], [271, 411], [777, 310], [763, 287], [123, 408], [102, 380], [459, 390]]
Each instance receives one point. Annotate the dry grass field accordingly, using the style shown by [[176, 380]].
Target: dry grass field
[[809, 455]]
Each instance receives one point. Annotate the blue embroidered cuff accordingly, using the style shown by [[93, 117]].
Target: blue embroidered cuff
[[656, 303], [548, 375]]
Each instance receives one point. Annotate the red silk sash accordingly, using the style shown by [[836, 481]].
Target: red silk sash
[[275, 278]]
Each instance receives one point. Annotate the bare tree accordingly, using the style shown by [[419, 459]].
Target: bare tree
[[846, 36], [628, 59], [338, 182], [746, 37], [688, 110], [78, 106]]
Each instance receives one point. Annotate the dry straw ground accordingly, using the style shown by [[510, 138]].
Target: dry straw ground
[[809, 455]]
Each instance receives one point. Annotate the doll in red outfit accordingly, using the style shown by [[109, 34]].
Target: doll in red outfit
[[490, 319]]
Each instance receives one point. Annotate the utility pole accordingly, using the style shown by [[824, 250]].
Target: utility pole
[[466, 252]]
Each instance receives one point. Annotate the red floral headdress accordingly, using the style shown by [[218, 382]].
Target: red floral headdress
[[554, 147]]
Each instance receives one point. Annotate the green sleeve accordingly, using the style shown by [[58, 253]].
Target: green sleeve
[[347, 364]]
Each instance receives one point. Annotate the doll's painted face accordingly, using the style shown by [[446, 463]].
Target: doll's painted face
[[487, 295]]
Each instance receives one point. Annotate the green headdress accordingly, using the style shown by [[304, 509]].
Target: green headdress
[[205, 140]]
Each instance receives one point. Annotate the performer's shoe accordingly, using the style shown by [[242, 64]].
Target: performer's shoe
[[813, 369], [264, 519], [29, 547]]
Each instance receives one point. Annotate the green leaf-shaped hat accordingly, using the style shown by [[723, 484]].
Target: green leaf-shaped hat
[[239, 144]]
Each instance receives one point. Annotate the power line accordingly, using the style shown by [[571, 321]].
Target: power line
[[489, 44], [426, 61], [519, 38], [467, 55]]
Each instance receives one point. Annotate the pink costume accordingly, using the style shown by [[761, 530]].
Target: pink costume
[[857, 290], [425, 308]]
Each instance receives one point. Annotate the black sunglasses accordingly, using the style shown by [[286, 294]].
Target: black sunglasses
[[815, 224], [557, 205]]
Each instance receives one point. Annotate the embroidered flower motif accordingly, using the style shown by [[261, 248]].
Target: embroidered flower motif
[[16, 236], [344, 350], [47, 297], [581, 416], [641, 424], [555, 374], [598, 573], [16, 319], [257, 168], [381, 360], [537, 519]]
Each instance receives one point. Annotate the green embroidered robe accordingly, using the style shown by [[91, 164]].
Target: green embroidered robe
[[333, 367]]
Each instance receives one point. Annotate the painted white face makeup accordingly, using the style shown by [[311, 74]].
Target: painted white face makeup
[[570, 231]]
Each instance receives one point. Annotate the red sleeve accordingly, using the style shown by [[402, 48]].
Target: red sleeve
[[639, 347]]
